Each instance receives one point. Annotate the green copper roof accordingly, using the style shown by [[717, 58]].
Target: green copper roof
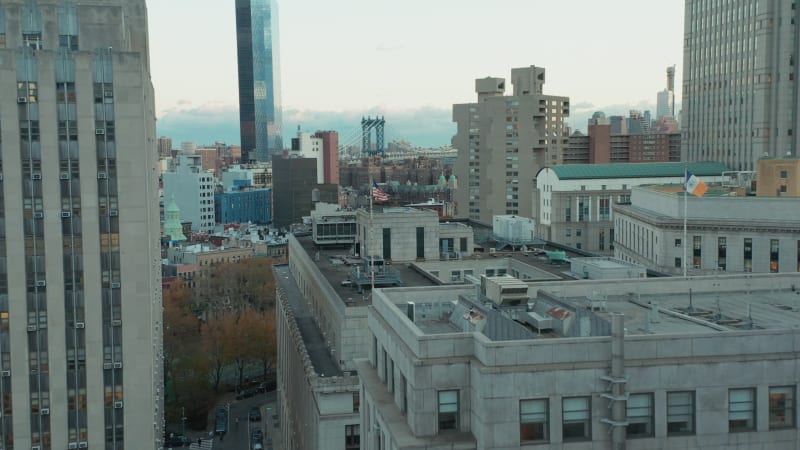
[[637, 170]]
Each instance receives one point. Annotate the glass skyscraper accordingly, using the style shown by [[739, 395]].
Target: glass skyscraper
[[260, 118]]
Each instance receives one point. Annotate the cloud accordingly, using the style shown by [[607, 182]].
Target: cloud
[[424, 127]]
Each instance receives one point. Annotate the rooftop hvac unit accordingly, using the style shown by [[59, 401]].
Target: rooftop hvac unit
[[22, 99], [66, 214], [117, 405], [64, 175], [80, 325]]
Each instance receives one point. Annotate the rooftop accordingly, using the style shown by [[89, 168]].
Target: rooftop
[[583, 308], [317, 349], [637, 170]]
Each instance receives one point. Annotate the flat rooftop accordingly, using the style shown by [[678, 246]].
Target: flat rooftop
[[335, 265], [312, 337], [669, 311]]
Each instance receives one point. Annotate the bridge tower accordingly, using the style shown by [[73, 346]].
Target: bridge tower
[[367, 125]]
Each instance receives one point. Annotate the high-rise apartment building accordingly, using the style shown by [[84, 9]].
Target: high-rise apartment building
[[164, 147], [665, 100], [80, 281], [330, 155], [740, 89], [503, 141], [258, 49], [193, 191]]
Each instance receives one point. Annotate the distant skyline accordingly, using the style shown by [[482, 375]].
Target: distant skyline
[[410, 61]]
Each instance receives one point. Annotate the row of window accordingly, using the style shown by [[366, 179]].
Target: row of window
[[680, 417]]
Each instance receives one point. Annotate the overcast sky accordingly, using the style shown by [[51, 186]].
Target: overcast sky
[[410, 59]]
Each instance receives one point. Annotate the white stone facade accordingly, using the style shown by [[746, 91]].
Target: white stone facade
[[193, 190], [725, 234]]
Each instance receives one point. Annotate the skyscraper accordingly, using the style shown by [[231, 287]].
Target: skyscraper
[[258, 48], [80, 282], [740, 89], [503, 141]]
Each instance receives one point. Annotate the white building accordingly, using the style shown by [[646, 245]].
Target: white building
[[80, 279], [574, 202], [305, 145], [740, 90], [725, 232], [635, 368], [193, 190], [503, 140]]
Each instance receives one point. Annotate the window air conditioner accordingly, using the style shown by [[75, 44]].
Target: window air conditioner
[[22, 99], [118, 365], [72, 445], [41, 283], [99, 131], [101, 175], [64, 175], [115, 285], [80, 325], [45, 411], [117, 405], [113, 213], [108, 366], [38, 215], [5, 373], [116, 323], [36, 176], [32, 328], [83, 444], [65, 214]]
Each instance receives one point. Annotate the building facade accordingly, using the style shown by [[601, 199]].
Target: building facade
[[598, 364], [80, 306], [503, 140], [330, 156], [164, 147], [193, 191], [258, 53], [249, 205], [575, 202], [778, 177], [740, 102], [725, 233]]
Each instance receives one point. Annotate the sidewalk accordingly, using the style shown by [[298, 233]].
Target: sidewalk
[[272, 424]]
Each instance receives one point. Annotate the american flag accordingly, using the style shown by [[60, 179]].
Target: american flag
[[378, 194]]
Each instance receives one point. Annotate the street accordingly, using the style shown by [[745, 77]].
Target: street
[[238, 435]]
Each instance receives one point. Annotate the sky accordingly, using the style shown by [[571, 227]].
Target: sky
[[410, 60]]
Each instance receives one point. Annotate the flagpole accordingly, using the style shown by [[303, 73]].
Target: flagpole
[[685, 211], [371, 231]]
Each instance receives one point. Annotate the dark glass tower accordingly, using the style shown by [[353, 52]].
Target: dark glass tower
[[260, 117]]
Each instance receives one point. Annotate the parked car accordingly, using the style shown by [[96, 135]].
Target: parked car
[[221, 421], [267, 386], [255, 414], [247, 393], [173, 440], [256, 439]]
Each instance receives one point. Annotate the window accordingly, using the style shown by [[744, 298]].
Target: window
[[387, 243], [722, 252], [568, 209], [421, 242], [577, 423], [677, 242], [677, 263], [583, 209], [741, 410], [784, 174], [533, 424], [748, 255], [448, 410], [781, 407], [404, 394], [773, 255], [352, 437], [356, 402], [680, 413], [605, 208], [578, 232], [697, 251], [568, 232], [640, 415]]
